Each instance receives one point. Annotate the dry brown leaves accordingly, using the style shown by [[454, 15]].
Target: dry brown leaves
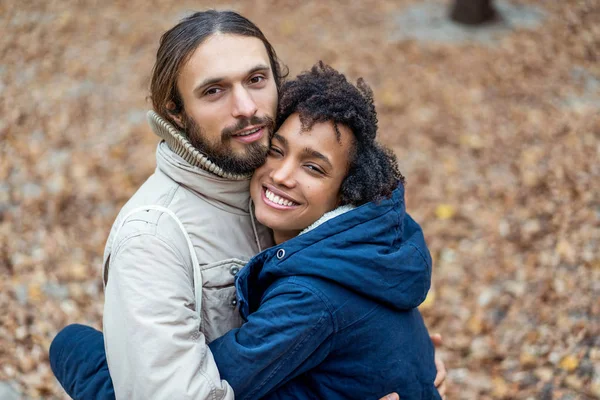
[[499, 144]]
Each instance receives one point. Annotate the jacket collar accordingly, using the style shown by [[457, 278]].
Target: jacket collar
[[181, 162], [179, 143], [327, 216]]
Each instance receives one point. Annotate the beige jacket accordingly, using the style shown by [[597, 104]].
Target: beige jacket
[[155, 336]]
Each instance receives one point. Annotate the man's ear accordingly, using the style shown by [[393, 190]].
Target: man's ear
[[176, 117]]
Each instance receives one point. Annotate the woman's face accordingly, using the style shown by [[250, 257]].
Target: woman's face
[[301, 179]]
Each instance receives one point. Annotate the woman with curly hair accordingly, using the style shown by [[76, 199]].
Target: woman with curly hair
[[331, 310]]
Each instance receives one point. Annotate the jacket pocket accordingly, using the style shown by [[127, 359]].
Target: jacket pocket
[[220, 311]]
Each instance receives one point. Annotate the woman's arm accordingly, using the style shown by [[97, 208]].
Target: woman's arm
[[285, 337]]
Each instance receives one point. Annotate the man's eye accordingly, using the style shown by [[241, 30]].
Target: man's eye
[[212, 91], [257, 79]]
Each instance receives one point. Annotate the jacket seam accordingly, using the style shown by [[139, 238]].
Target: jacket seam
[[164, 240], [171, 195], [428, 271], [397, 227], [368, 313], [322, 296], [422, 257], [165, 203]]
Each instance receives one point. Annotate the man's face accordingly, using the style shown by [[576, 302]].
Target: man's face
[[230, 100]]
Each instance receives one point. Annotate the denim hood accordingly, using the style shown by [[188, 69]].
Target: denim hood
[[376, 250]]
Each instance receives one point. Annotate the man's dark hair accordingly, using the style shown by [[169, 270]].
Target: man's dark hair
[[323, 94], [178, 44]]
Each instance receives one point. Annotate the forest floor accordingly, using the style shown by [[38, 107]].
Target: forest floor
[[497, 130]]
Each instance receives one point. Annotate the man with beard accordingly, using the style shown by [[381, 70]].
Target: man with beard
[[176, 246]]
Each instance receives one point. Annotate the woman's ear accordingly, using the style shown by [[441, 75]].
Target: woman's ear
[[338, 203]]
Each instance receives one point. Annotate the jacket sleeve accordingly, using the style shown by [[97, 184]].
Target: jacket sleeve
[[285, 337], [154, 347], [78, 361]]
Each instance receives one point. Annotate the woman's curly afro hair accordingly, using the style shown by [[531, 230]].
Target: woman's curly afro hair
[[323, 94]]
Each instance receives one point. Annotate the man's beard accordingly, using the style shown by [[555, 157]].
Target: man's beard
[[221, 153]]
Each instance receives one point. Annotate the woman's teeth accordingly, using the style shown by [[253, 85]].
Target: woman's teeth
[[276, 199]]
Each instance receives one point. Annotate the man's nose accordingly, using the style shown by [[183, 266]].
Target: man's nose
[[243, 103]]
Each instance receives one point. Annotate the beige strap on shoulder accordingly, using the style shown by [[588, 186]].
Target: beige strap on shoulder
[[195, 266]]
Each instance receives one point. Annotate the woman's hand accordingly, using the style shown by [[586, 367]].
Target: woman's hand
[[440, 377]]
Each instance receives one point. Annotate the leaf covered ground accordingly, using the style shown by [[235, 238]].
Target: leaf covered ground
[[499, 141]]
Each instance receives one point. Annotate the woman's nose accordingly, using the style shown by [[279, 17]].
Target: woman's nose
[[283, 174]]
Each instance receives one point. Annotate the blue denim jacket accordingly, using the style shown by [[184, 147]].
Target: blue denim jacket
[[332, 313]]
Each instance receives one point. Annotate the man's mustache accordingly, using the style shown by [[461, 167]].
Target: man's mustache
[[267, 121]]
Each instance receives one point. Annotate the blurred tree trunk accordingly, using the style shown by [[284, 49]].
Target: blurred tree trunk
[[472, 12]]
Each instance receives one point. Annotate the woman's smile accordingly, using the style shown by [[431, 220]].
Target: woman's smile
[[277, 199], [301, 179]]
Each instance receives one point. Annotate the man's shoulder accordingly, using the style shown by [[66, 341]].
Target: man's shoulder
[[158, 189], [151, 212], [145, 209], [146, 222]]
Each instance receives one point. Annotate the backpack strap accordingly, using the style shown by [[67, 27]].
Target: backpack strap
[[195, 263]]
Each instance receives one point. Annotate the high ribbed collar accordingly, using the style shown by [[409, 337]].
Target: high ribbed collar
[[179, 143], [181, 162]]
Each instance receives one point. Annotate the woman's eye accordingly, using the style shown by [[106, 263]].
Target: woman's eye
[[315, 169], [274, 151]]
